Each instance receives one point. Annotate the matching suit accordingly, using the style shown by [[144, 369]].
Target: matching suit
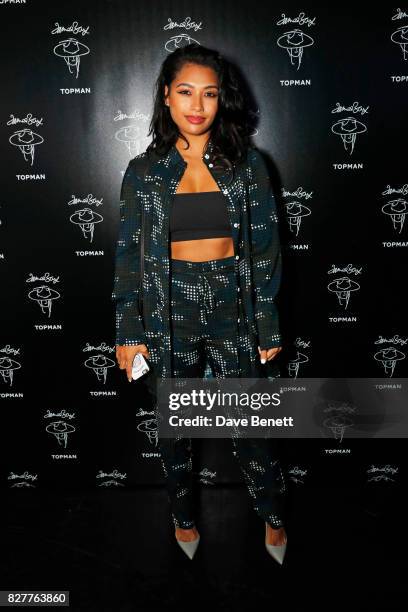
[[214, 312]]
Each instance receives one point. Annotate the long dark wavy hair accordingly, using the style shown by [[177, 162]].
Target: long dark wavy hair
[[230, 129]]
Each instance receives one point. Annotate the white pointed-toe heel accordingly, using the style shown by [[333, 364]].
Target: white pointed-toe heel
[[276, 551], [189, 547]]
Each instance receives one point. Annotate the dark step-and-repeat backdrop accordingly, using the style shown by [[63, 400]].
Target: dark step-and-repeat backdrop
[[329, 94]]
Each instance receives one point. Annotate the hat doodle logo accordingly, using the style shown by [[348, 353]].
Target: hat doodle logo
[[26, 139], [395, 210], [86, 218], [299, 359], [99, 363], [44, 295], [296, 211], [296, 40], [111, 479], [71, 50], [8, 365], [349, 127], [344, 286], [400, 36], [22, 481], [389, 356], [60, 428], [132, 135], [181, 39]]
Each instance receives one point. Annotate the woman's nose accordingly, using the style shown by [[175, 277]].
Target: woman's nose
[[197, 105]]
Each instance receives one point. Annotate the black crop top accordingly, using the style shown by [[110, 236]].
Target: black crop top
[[197, 215]]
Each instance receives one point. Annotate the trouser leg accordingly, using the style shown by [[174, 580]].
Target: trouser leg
[[256, 457], [187, 362], [176, 461], [263, 476]]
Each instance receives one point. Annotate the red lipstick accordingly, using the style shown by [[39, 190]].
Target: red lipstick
[[195, 119]]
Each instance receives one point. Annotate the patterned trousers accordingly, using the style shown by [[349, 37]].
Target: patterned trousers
[[204, 311]]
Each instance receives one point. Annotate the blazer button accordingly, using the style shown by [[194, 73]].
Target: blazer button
[[238, 320], [210, 165], [236, 256], [236, 224]]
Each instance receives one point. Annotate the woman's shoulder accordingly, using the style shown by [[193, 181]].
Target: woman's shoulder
[[258, 163], [139, 164], [254, 155]]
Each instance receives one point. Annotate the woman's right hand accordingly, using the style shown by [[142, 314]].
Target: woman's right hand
[[125, 355]]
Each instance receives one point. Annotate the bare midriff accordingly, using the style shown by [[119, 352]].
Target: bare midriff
[[202, 249], [198, 178]]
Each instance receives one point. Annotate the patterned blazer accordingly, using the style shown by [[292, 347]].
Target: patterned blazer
[[151, 182]]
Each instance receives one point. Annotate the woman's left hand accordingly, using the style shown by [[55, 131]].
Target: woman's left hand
[[268, 354]]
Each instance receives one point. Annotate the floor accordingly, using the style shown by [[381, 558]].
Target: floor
[[114, 550]]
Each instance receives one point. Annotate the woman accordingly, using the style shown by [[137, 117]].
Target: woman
[[212, 265]]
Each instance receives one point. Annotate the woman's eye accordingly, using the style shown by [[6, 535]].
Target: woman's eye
[[183, 91]]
